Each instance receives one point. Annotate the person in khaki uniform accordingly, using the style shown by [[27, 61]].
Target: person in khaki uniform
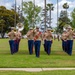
[[70, 34], [48, 42], [64, 40], [12, 36], [17, 39], [44, 40], [30, 36], [37, 41]]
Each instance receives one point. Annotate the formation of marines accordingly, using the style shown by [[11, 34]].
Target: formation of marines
[[67, 40], [34, 37]]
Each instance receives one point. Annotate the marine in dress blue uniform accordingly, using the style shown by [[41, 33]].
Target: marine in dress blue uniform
[[30, 40], [37, 41], [64, 40], [17, 40], [70, 39], [44, 40], [11, 35], [48, 42]]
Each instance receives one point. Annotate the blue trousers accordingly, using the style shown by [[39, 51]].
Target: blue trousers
[[48, 47], [45, 46], [64, 45], [37, 44], [30, 46], [17, 45], [12, 46], [70, 45]]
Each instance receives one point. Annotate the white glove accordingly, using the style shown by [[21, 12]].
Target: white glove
[[25, 36]]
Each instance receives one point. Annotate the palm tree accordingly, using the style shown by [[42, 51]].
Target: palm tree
[[33, 18], [22, 11], [15, 15], [50, 7], [45, 13], [57, 11], [66, 6]]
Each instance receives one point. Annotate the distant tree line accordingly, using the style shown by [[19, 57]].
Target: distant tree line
[[32, 17]]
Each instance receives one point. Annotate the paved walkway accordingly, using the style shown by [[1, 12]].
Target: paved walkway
[[34, 69]]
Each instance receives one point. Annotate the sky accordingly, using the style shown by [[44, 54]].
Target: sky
[[9, 3]]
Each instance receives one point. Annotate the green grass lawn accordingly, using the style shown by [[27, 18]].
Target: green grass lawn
[[72, 72], [58, 58]]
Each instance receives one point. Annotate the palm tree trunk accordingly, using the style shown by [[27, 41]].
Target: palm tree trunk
[[34, 14], [22, 11], [57, 12], [50, 18], [15, 15], [45, 14]]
